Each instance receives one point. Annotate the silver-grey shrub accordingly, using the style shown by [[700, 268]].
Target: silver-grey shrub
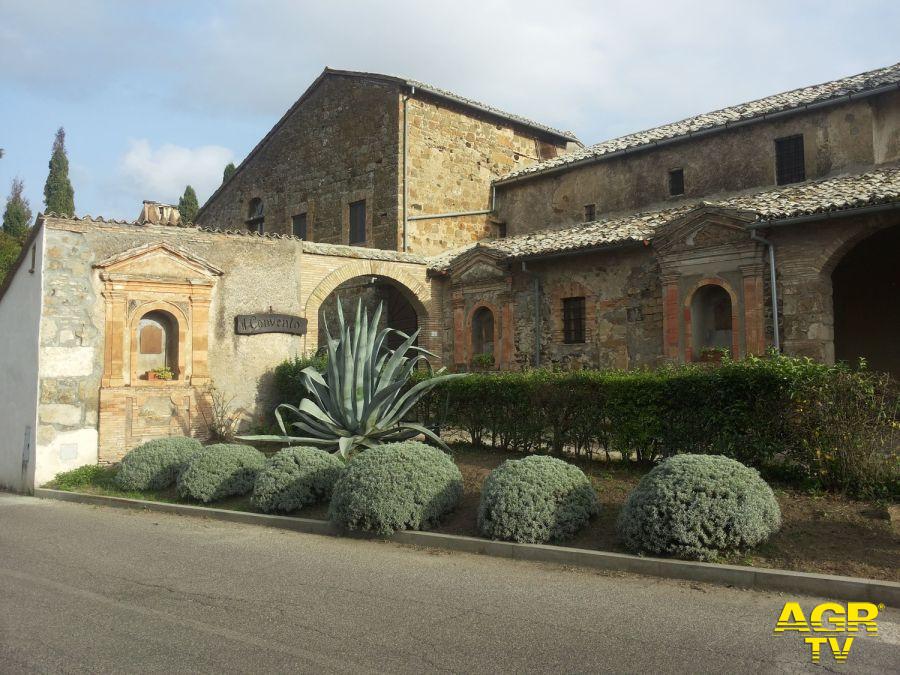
[[535, 500], [219, 471], [396, 486], [698, 507], [155, 464], [295, 477]]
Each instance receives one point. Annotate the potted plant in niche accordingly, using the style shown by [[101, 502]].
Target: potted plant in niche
[[713, 354], [164, 373]]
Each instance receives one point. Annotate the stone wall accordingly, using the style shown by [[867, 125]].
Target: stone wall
[[89, 313], [454, 154], [845, 137], [337, 146]]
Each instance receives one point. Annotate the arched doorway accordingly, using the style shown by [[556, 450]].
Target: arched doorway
[[866, 296], [711, 320], [397, 312]]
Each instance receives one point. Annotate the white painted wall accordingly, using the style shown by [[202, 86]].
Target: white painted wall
[[20, 320]]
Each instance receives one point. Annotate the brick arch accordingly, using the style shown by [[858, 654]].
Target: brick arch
[[688, 319], [832, 256], [417, 292]]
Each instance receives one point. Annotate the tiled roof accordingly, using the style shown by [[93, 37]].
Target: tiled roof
[[803, 199], [726, 117]]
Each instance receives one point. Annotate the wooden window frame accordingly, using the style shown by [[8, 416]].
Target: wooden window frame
[[574, 311], [790, 160]]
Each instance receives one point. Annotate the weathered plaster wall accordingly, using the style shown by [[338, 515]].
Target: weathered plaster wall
[[453, 156], [338, 146], [840, 138], [20, 310]]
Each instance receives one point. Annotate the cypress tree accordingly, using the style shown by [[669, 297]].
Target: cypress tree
[[59, 197], [230, 170], [10, 247], [17, 216], [188, 206]]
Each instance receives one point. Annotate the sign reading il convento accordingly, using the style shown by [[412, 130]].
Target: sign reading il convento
[[254, 324]]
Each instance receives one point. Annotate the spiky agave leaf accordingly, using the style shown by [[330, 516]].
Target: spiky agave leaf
[[359, 402]]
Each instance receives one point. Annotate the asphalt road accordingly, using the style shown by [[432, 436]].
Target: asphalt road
[[95, 589]]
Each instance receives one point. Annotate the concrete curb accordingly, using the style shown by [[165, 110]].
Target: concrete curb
[[756, 578]]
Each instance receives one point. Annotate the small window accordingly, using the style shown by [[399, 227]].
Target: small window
[[590, 212], [358, 222], [256, 216], [501, 230], [574, 320], [676, 182], [789, 162], [298, 226]]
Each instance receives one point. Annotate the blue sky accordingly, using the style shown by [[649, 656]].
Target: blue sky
[[155, 95]]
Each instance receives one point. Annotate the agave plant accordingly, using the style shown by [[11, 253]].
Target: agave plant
[[359, 402]]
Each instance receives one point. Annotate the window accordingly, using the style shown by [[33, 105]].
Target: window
[[298, 226], [789, 164], [574, 320], [256, 216], [676, 182], [358, 222], [590, 212], [501, 230]]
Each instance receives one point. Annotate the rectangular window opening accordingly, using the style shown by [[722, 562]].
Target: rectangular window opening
[[358, 222], [298, 226], [676, 182], [574, 320], [590, 212], [789, 160]]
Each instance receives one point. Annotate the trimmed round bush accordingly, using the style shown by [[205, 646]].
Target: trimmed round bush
[[698, 507], [219, 471], [295, 477], [155, 464], [536, 500], [396, 486]]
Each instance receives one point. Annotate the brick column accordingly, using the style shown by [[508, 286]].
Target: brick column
[[114, 345], [507, 337], [754, 309], [671, 315], [199, 340], [459, 330]]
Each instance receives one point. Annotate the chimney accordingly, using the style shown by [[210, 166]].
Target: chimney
[[156, 213]]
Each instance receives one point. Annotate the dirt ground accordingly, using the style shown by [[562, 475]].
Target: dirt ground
[[822, 533]]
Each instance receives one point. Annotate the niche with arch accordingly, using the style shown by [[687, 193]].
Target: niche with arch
[[483, 333], [156, 346]]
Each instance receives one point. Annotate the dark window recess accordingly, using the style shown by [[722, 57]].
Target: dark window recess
[[590, 212], [789, 164], [256, 216], [298, 226], [574, 320], [501, 230], [358, 222], [676, 182]]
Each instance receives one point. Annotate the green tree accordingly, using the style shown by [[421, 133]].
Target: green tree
[[188, 206], [59, 196], [17, 216], [10, 247], [230, 170]]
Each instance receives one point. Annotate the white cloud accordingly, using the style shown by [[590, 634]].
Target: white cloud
[[162, 173]]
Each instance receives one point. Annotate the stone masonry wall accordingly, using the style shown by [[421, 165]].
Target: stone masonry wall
[[339, 146], [454, 155], [846, 137]]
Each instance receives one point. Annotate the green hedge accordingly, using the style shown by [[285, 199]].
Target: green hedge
[[294, 477], [827, 426], [219, 471], [155, 465]]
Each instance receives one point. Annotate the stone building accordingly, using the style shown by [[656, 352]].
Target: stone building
[[772, 224]]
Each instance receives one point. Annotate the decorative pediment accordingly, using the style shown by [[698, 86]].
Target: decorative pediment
[[478, 265], [704, 227], [158, 261]]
